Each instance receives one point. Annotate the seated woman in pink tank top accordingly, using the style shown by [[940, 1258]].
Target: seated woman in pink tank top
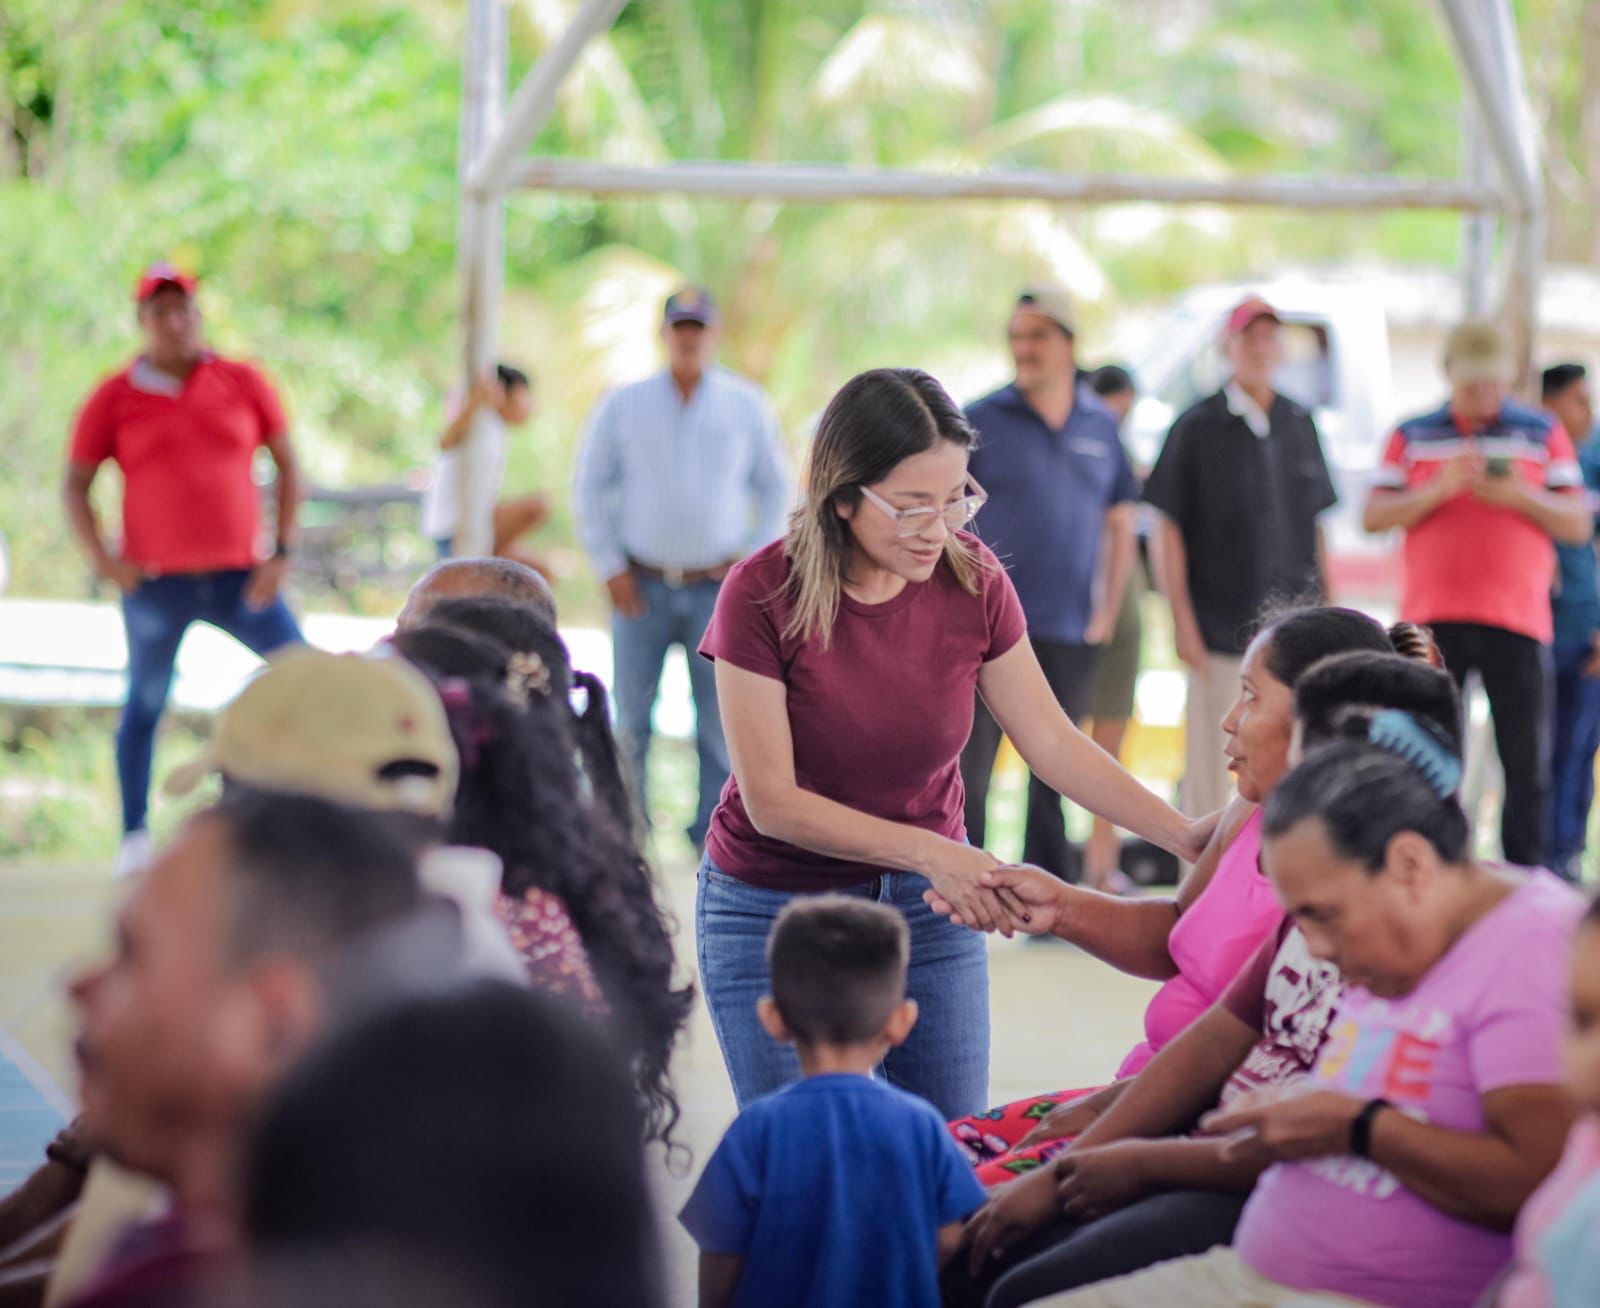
[[1196, 941]]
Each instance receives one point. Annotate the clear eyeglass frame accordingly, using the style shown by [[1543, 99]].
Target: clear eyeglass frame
[[915, 522]]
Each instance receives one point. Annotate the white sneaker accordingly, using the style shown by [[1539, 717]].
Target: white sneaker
[[133, 854]]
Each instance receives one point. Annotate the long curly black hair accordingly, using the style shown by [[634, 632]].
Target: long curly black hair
[[530, 793], [515, 626]]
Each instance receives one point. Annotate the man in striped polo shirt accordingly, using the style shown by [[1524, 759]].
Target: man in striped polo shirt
[[680, 476], [1482, 487]]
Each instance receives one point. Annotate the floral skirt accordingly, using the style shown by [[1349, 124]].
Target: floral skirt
[[993, 1139]]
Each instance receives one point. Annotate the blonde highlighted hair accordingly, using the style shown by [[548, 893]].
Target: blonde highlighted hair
[[878, 419]]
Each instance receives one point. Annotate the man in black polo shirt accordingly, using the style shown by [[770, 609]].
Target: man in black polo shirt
[[1239, 485]]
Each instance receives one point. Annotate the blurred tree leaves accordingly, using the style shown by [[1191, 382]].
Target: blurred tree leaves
[[300, 155]]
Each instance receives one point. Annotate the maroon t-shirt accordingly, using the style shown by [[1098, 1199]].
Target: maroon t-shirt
[[1291, 998], [878, 719]]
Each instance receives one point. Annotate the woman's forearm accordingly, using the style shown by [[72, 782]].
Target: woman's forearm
[[1181, 1082], [1070, 763], [824, 826], [1129, 934], [1196, 1164], [1476, 1176]]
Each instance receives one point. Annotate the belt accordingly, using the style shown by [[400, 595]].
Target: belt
[[675, 578]]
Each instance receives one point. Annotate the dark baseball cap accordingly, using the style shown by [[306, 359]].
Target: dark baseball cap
[[691, 304], [157, 275]]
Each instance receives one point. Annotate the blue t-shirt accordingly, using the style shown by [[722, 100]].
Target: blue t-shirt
[[1576, 603], [1049, 491], [833, 1191]]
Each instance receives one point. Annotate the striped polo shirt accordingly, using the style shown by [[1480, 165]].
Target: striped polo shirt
[[1470, 561]]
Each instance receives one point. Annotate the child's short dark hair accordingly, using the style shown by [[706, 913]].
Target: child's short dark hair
[[838, 968]]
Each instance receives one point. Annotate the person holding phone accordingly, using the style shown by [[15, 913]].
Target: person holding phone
[[1481, 488]]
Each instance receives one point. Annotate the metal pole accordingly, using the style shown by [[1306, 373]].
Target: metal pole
[[1488, 55], [822, 183], [1484, 69], [1477, 229], [535, 99], [1528, 229], [480, 257]]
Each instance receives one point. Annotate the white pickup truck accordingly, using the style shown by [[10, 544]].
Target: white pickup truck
[[1337, 363]]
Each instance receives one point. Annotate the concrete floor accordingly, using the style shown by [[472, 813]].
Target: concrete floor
[[1059, 1017]]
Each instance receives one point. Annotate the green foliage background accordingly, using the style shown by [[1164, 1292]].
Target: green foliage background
[[301, 155]]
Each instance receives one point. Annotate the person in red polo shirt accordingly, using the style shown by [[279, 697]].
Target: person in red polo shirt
[[1481, 488], [183, 426]]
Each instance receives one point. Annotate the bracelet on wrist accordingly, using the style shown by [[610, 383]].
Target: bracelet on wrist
[[1361, 1127]]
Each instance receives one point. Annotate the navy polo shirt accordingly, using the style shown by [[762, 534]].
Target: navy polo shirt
[[1576, 603], [1049, 489]]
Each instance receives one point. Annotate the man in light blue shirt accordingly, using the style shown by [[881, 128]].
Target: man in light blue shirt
[[680, 476]]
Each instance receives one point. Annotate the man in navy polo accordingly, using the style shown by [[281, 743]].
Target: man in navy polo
[[1060, 518]]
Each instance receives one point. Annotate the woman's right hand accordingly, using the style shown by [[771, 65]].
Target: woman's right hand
[[1037, 900], [1014, 1212], [1063, 1122], [956, 872]]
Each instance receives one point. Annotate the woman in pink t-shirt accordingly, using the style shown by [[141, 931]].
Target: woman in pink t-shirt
[[847, 658], [1435, 1107], [1196, 941]]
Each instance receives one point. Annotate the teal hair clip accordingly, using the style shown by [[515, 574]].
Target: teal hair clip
[[1398, 732]]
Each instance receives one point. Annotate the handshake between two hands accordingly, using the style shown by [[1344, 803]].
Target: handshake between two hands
[[1000, 897]]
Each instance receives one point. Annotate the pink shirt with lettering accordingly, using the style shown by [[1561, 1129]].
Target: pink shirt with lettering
[[1487, 1015], [1213, 939]]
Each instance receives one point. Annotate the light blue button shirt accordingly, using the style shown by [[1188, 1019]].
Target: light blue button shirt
[[677, 485]]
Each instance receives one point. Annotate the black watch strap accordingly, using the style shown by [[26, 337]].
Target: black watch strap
[[282, 550], [1361, 1127]]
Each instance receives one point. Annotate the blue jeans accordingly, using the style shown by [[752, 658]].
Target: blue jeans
[[674, 615], [946, 1058], [156, 615], [1576, 740]]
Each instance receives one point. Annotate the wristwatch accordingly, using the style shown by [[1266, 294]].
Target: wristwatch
[[281, 550], [1361, 1127]]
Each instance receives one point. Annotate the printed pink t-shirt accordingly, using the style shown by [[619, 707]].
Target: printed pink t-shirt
[[878, 719], [1488, 1015], [1527, 1286], [1213, 939]]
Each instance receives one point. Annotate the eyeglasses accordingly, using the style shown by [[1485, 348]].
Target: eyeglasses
[[914, 522]]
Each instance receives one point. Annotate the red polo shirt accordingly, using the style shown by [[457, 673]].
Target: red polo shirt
[[190, 502], [1469, 561]]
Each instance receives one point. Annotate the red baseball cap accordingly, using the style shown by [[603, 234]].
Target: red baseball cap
[[1250, 310], [158, 275]]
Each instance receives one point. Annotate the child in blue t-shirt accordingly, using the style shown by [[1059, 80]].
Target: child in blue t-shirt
[[838, 1190]]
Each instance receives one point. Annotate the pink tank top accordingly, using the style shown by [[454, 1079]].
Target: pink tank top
[[1212, 940]]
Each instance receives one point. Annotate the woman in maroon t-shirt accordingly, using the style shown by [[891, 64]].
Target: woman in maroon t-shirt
[[847, 655]]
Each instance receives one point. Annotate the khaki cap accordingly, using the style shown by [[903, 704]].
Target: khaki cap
[[1475, 351], [1049, 302], [332, 725]]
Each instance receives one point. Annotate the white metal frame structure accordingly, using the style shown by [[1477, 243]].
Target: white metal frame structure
[[1500, 181]]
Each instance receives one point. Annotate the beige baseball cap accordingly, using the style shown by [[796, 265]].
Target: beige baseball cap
[[1476, 351], [364, 730], [1049, 302]]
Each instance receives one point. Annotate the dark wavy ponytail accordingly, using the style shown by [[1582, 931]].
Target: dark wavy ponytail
[[524, 796]]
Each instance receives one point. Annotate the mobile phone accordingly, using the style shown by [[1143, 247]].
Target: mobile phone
[[1497, 467]]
